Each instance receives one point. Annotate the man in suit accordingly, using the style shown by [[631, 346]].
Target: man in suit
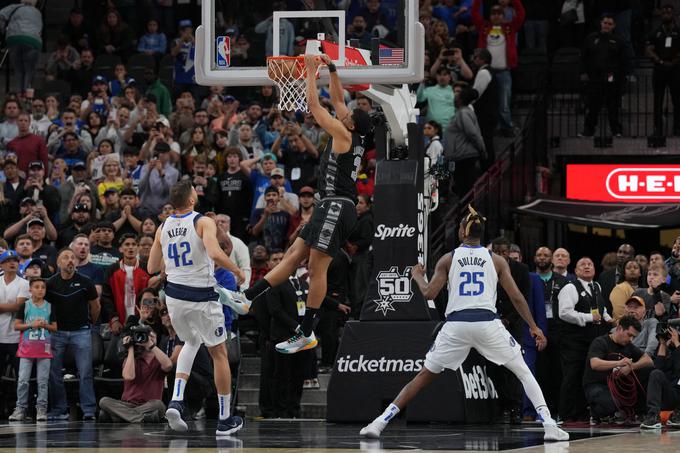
[[612, 277], [508, 386]]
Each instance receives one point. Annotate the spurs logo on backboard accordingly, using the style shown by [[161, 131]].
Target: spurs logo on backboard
[[393, 287]]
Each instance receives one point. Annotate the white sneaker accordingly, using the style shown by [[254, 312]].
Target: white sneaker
[[296, 343], [373, 429], [554, 433], [235, 300], [41, 414], [18, 415]]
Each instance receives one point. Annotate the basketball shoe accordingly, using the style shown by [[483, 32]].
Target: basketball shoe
[[298, 342], [235, 300]]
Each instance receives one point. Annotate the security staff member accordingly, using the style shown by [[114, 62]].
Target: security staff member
[[586, 317], [286, 305], [604, 67], [508, 386], [548, 366], [663, 48]]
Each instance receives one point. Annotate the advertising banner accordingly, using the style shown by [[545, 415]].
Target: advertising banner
[[375, 360], [398, 244], [624, 183]]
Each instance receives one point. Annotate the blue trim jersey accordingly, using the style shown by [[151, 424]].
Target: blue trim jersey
[[472, 280], [186, 260]]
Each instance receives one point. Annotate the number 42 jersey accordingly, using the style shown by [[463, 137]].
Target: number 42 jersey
[[472, 280], [186, 260]]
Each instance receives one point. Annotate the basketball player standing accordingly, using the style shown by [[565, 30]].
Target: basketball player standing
[[471, 322], [186, 246]]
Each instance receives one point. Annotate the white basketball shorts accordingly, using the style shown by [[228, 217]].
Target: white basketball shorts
[[452, 345], [197, 322]]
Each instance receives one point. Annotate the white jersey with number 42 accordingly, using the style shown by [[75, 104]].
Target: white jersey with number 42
[[472, 280], [186, 260]]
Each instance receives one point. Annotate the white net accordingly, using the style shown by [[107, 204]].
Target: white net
[[290, 76]]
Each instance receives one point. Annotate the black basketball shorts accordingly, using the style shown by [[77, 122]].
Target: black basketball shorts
[[332, 222]]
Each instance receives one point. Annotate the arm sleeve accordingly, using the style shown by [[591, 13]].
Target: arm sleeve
[[598, 349], [476, 13], [20, 314], [482, 81], [520, 14]]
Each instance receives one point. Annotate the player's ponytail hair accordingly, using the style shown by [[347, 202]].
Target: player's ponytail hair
[[474, 223]]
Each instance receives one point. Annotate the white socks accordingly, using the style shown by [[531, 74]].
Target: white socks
[[389, 414], [531, 387], [225, 404], [178, 392]]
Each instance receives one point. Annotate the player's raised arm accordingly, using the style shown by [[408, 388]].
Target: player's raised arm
[[432, 288], [335, 89], [342, 137], [155, 263], [208, 230], [517, 299]]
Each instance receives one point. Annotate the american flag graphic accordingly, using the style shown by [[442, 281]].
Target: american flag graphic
[[391, 55]]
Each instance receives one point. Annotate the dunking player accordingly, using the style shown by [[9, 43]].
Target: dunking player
[[334, 216], [186, 246], [471, 322]]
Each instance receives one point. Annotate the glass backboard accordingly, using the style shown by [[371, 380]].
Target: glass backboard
[[371, 41]]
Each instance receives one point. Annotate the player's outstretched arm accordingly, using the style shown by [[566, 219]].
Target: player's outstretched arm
[[517, 299], [208, 231], [432, 288], [336, 91], [342, 138], [155, 263]]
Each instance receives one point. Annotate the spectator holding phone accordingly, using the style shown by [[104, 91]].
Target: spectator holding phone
[[157, 178]]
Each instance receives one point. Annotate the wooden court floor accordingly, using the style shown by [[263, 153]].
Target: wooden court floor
[[281, 436]]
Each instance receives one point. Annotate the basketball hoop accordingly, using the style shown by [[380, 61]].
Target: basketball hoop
[[290, 75]]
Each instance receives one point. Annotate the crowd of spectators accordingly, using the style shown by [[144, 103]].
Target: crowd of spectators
[[86, 175]]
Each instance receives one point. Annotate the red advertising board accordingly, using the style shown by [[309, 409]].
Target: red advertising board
[[637, 183]]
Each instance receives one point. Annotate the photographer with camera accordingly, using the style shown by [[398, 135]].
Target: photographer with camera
[[144, 371], [663, 390]]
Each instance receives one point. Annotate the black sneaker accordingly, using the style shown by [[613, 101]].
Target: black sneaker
[[674, 420], [651, 421], [229, 426], [586, 134]]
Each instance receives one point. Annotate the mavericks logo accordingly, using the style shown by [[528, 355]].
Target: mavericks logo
[[382, 365], [393, 286], [478, 386]]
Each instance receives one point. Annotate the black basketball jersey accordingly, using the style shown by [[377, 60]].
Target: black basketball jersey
[[338, 172]]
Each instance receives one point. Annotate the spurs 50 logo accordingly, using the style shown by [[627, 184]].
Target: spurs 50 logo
[[393, 287]]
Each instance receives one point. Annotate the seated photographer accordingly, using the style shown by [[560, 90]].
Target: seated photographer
[[612, 353], [663, 389], [144, 370], [657, 301], [646, 341]]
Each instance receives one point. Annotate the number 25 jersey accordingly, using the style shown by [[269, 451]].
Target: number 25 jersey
[[472, 280], [186, 260]]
